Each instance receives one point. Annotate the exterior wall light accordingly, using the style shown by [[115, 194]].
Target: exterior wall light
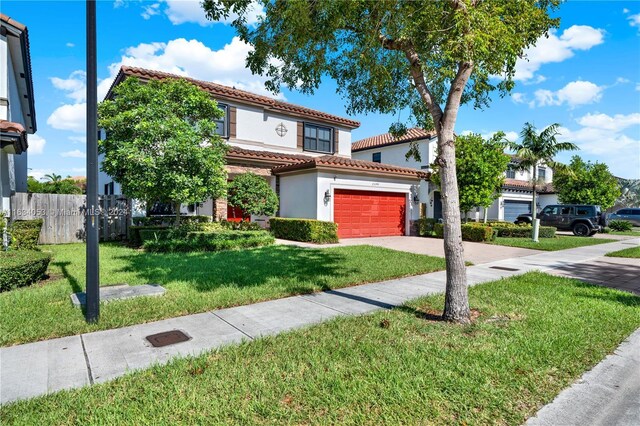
[[327, 196]]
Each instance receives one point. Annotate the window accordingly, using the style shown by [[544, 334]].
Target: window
[[108, 188], [376, 157], [566, 210], [318, 138], [584, 211], [222, 123], [550, 210], [511, 174], [542, 173]]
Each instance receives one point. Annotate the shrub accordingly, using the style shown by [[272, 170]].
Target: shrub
[[169, 220], [621, 225], [307, 230], [25, 234], [525, 231], [135, 238], [243, 225], [139, 234], [425, 226], [20, 268], [470, 232], [209, 241]]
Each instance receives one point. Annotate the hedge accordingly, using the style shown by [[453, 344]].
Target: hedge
[[25, 234], [135, 238], [307, 230], [209, 241], [19, 268], [169, 220], [425, 226], [475, 232], [525, 231]]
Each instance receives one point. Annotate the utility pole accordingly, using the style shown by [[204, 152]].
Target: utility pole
[[93, 208]]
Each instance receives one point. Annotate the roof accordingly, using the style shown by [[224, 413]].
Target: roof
[[547, 188], [26, 58], [236, 153], [233, 94], [334, 162], [413, 134], [13, 134]]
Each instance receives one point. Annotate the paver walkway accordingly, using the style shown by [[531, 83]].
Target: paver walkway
[[38, 368]]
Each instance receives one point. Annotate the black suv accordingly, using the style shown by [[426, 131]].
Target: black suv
[[583, 220]]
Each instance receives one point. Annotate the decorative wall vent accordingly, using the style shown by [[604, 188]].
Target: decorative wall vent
[[281, 130]]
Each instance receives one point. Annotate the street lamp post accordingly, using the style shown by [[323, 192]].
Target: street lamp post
[[92, 255]]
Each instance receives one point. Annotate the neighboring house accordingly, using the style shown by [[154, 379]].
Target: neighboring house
[[516, 197], [305, 155], [17, 112]]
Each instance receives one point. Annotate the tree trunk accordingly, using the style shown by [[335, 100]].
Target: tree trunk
[[486, 211], [176, 207], [456, 304]]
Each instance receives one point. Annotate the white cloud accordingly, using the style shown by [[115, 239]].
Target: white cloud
[[36, 144], [69, 117], [605, 122], [39, 174], [78, 139], [76, 153], [573, 94], [70, 45], [638, 87], [556, 48], [74, 85], [625, 10], [634, 20], [151, 10], [518, 97], [181, 11], [511, 135]]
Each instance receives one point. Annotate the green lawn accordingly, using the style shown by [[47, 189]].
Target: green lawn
[[551, 244], [535, 335], [634, 233], [631, 252], [195, 282]]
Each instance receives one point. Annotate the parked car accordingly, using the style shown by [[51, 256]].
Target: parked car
[[583, 220], [629, 214]]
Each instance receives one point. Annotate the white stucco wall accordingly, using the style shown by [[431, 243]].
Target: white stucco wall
[[396, 154]]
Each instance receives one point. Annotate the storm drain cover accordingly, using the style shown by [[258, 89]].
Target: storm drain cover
[[503, 268], [167, 338]]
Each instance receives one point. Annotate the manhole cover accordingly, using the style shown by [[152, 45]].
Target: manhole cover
[[167, 338], [503, 268]]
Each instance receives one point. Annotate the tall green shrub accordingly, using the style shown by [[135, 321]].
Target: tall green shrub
[[25, 234], [306, 230]]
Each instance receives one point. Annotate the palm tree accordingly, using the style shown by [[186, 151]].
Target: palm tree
[[536, 149], [53, 177]]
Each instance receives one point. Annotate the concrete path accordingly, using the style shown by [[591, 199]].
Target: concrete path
[[607, 395], [475, 253], [38, 368]]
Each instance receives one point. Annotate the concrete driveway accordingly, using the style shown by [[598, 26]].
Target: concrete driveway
[[475, 253]]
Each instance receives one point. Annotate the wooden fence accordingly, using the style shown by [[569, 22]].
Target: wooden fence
[[64, 216]]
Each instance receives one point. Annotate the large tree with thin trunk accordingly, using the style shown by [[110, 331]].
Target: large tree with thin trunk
[[536, 149], [426, 56]]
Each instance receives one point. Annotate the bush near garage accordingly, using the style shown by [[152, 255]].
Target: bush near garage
[[470, 232], [306, 230], [169, 220], [19, 268], [25, 234], [525, 231], [620, 225], [425, 226], [207, 241]]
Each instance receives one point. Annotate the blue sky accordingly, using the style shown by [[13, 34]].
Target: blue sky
[[585, 76]]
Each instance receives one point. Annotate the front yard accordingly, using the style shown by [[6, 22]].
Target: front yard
[[561, 242], [195, 282], [631, 252], [535, 334]]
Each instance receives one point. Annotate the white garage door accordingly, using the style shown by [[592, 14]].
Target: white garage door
[[513, 208]]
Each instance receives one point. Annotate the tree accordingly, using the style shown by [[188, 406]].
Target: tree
[[391, 55], [161, 143], [53, 177], [586, 183], [55, 185], [537, 149], [253, 195], [34, 186], [480, 167]]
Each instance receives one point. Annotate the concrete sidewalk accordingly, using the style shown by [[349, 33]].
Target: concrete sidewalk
[[38, 368]]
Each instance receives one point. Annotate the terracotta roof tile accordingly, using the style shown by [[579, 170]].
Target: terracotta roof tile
[[11, 127], [333, 162], [231, 93], [547, 188], [413, 134], [248, 154]]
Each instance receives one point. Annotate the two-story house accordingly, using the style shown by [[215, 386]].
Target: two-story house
[[516, 197], [305, 155], [17, 111]]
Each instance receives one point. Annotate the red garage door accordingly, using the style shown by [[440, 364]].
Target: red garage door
[[368, 213]]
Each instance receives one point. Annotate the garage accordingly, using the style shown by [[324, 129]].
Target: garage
[[514, 208], [369, 213]]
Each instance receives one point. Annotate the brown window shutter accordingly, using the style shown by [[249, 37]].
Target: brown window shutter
[[232, 122], [336, 140], [300, 135]]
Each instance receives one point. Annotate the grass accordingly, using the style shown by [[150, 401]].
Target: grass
[[535, 335], [634, 233], [631, 252], [195, 282], [551, 244]]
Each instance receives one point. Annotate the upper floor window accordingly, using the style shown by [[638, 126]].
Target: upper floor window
[[542, 173], [317, 138], [222, 123], [376, 157], [511, 174]]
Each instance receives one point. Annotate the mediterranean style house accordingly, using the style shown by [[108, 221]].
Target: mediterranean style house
[[516, 197], [17, 111], [305, 155]]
